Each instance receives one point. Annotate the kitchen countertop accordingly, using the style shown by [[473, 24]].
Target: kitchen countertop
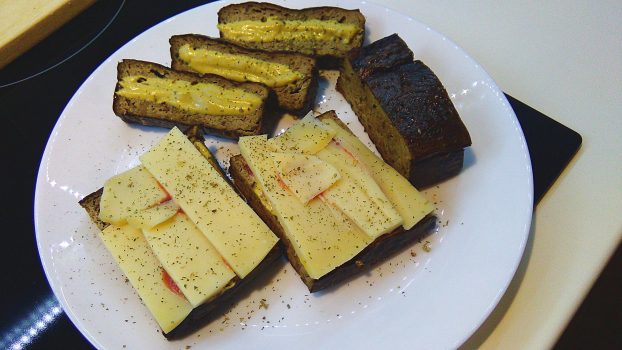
[[565, 60]]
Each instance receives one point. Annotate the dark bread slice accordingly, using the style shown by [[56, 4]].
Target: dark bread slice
[[218, 304], [167, 116], [329, 53], [405, 110], [295, 97], [380, 249]]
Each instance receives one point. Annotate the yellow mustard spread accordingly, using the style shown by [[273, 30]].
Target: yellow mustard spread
[[275, 29], [238, 67], [201, 98]]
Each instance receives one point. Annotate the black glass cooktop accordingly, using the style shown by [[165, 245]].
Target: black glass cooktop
[[35, 88]]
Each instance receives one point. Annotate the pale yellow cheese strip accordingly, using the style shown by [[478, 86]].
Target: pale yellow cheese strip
[[322, 238], [305, 175], [189, 258], [236, 231], [358, 196], [409, 202], [308, 136], [127, 193], [141, 267], [150, 217]]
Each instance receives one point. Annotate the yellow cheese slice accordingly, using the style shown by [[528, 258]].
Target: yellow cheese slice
[[129, 192], [279, 29], [193, 97], [307, 136], [141, 267], [236, 231], [409, 202], [306, 176], [358, 195], [189, 258], [322, 237], [150, 217], [238, 67]]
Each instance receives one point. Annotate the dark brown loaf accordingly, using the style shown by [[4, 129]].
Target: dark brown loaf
[[164, 115], [296, 97], [380, 249], [218, 304], [405, 110], [329, 52]]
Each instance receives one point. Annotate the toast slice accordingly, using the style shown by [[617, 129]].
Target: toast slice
[[292, 76], [327, 33], [151, 94], [405, 110], [235, 289], [377, 251]]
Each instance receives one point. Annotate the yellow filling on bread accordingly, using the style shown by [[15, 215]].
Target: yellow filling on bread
[[200, 98], [275, 29], [179, 231], [238, 67]]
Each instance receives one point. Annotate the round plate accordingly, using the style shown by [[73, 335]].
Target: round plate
[[421, 298]]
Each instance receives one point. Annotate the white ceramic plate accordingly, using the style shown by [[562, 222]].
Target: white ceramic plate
[[419, 299]]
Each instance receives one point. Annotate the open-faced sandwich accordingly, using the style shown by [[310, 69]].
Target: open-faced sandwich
[[337, 207], [180, 233], [405, 110]]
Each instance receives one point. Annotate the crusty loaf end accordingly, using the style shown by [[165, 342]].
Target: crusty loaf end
[[405, 110]]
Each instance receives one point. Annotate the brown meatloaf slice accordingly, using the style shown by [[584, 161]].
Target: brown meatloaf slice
[[218, 304], [295, 97], [379, 250], [405, 110], [163, 114], [329, 49]]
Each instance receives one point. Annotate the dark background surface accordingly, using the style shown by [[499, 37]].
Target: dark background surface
[[31, 107]]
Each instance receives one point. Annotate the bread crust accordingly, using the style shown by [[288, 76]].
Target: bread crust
[[296, 97], [329, 54], [167, 116], [379, 250]]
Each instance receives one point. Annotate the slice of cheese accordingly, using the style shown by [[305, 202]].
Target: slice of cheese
[[322, 238], [358, 196], [308, 136], [129, 192], [189, 258], [306, 176], [150, 217], [192, 97], [238, 67], [141, 267], [236, 231], [409, 202]]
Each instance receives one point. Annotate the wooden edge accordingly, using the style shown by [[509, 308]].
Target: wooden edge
[[26, 37]]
